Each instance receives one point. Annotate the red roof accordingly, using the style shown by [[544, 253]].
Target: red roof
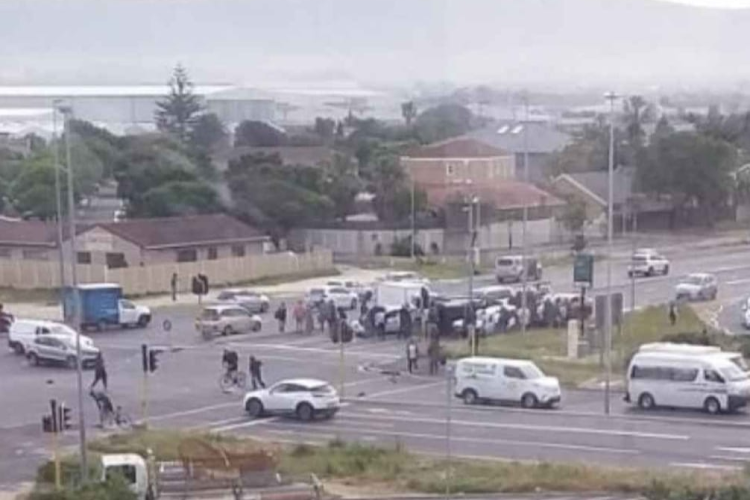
[[459, 147], [27, 233], [183, 231], [503, 195]]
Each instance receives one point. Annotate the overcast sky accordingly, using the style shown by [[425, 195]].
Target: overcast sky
[[375, 42]]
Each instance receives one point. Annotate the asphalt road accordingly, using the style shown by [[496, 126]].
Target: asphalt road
[[184, 392]]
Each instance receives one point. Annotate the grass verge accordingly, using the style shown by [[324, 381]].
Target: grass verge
[[394, 469], [548, 347]]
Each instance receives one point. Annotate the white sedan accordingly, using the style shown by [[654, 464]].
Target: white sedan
[[342, 297], [303, 398]]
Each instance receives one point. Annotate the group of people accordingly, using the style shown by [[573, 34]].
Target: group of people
[[231, 362], [434, 352]]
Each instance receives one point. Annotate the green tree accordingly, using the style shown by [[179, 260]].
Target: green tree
[[32, 193], [258, 134], [408, 112], [325, 128], [574, 216], [443, 122], [177, 112], [694, 169], [208, 133], [341, 185], [589, 150], [176, 198], [638, 112]]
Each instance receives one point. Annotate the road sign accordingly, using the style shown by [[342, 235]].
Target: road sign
[[583, 269], [167, 325], [601, 315]]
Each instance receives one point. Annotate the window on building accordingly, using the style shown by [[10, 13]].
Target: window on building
[[187, 255], [5, 253], [116, 260], [450, 169], [213, 253], [84, 257], [238, 251]]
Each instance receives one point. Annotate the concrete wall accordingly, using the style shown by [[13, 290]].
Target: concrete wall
[[350, 242], [431, 172], [155, 278]]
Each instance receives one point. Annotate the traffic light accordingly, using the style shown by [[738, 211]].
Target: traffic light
[[153, 359], [144, 357], [47, 424], [64, 418], [54, 416], [204, 281], [199, 284]]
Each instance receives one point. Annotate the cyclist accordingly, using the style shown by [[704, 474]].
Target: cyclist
[[231, 362], [104, 405]]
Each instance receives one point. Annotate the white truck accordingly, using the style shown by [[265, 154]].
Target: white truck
[[134, 469], [394, 294]]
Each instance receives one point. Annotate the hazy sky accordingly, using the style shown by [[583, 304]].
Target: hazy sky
[[717, 4], [375, 42]]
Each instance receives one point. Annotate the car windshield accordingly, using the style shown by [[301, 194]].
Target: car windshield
[[317, 291], [226, 296], [532, 372], [640, 258], [61, 330], [504, 262], [323, 390], [693, 280], [733, 373]]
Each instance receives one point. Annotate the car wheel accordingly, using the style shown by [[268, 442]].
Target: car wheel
[[143, 322], [254, 408], [631, 274], [227, 331], [71, 362], [712, 406], [650, 271], [18, 348], [529, 400], [305, 412], [646, 401], [666, 270], [256, 326], [33, 359], [470, 397]]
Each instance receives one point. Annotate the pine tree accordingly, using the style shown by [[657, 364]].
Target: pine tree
[[176, 114]]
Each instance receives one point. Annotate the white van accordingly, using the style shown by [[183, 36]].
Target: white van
[[697, 350], [23, 332], [709, 381], [511, 380]]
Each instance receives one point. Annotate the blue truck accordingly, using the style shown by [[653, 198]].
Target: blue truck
[[103, 306]]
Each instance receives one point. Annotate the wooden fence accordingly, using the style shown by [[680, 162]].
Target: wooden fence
[[156, 278]]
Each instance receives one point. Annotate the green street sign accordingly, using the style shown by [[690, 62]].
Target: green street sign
[[583, 269]]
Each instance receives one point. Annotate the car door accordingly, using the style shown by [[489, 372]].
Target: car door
[[282, 398], [127, 313], [714, 384], [243, 320], [512, 383], [56, 350], [234, 319], [41, 346]]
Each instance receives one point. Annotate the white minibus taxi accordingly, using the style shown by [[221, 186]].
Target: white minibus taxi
[[709, 381], [510, 380], [734, 357]]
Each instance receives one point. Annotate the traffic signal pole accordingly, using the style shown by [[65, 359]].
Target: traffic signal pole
[[144, 385], [57, 424], [342, 367]]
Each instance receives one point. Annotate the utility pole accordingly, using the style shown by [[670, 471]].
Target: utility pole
[[413, 217], [470, 325], [524, 271], [611, 97], [66, 111], [448, 451], [58, 200]]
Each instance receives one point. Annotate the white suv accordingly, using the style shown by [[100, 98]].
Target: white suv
[[60, 349], [23, 332], [648, 263], [303, 398]]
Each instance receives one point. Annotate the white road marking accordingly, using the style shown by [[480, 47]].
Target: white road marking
[[576, 430], [283, 347], [441, 437], [243, 425], [401, 390], [738, 282], [194, 411], [729, 459], [732, 449], [698, 465]]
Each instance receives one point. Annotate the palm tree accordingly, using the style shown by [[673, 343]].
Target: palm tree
[[409, 112]]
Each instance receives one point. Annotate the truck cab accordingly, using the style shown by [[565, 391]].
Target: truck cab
[[133, 468]]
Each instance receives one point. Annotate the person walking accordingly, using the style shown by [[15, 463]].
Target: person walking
[[173, 284], [100, 372], [433, 352], [672, 314], [6, 319], [309, 320], [412, 354], [281, 317], [255, 373], [405, 322], [299, 315]]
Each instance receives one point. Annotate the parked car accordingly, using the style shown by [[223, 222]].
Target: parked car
[[342, 297], [697, 286], [494, 295], [353, 286], [303, 398], [511, 380], [646, 262], [23, 332], [510, 268], [252, 301], [227, 320], [61, 350]]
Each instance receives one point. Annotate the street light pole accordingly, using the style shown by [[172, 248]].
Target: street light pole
[[470, 325], [611, 97], [76, 296], [524, 270], [58, 200], [413, 217]]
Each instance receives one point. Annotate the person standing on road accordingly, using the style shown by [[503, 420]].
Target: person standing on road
[[299, 315], [433, 352], [100, 372], [404, 319], [672, 314], [309, 320], [6, 319], [281, 317], [255, 373], [412, 354], [173, 284]]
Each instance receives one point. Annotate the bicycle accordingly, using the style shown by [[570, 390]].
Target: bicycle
[[109, 415], [229, 380]]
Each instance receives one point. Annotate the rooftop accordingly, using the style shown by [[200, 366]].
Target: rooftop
[[458, 147], [596, 183], [520, 136], [100, 90], [506, 195]]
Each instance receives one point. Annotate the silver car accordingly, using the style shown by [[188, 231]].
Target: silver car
[[60, 350], [226, 320], [254, 302], [697, 286]]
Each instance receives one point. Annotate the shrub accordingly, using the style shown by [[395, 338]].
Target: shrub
[[114, 488]]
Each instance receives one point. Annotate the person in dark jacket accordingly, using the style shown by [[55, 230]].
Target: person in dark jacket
[[6, 320], [255, 373], [405, 322], [100, 372], [281, 317]]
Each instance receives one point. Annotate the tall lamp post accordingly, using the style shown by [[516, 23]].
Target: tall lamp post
[[611, 97], [524, 271], [58, 197], [76, 320]]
